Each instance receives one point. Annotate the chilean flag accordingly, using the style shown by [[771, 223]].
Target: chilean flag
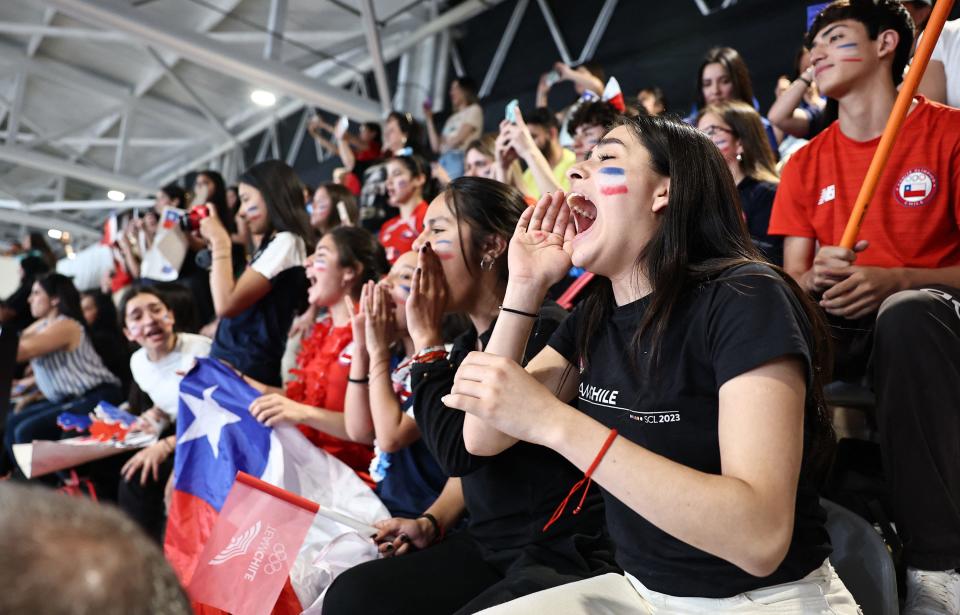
[[614, 95], [909, 191], [216, 438]]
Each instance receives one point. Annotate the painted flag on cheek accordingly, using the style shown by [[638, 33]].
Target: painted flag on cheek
[[612, 180], [217, 437]]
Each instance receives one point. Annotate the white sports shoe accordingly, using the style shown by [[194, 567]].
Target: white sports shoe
[[932, 592]]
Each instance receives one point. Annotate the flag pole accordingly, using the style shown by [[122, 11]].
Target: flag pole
[[277, 492], [931, 33], [296, 500]]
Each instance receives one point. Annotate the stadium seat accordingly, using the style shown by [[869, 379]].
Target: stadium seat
[[862, 560]]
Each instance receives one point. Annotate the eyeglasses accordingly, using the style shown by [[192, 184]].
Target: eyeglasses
[[714, 129]]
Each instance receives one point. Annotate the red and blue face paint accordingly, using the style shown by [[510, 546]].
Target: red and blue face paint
[[851, 50], [613, 180], [443, 248]]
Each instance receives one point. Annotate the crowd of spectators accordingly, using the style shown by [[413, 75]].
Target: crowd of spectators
[[387, 313]]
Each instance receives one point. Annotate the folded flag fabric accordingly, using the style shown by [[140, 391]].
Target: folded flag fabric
[[216, 438]]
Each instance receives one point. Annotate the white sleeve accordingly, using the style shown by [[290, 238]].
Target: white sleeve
[[938, 50], [285, 250]]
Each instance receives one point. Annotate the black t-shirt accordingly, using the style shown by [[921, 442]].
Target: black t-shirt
[[722, 329], [756, 200], [510, 496]]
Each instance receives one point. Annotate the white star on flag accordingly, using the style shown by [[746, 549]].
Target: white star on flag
[[209, 419]]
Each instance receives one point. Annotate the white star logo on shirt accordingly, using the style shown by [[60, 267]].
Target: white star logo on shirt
[[209, 419]]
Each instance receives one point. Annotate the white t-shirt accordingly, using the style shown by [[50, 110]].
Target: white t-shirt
[[472, 115], [284, 251], [947, 51], [159, 379]]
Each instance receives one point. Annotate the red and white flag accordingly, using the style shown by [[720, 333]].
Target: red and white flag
[[251, 548], [614, 95]]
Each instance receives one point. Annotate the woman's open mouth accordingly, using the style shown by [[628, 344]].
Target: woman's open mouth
[[583, 210]]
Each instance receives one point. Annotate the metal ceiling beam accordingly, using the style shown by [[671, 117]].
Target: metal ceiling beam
[[276, 22], [169, 113], [16, 107], [201, 50], [58, 166], [34, 44], [596, 33], [303, 37], [123, 139], [555, 32], [92, 205], [369, 20], [503, 47], [18, 216], [88, 142], [199, 102], [392, 50]]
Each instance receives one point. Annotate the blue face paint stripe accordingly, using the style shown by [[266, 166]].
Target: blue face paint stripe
[[846, 45], [612, 171], [404, 288]]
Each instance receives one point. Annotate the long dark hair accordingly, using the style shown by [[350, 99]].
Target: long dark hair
[[411, 130], [107, 336], [282, 193], [418, 166], [757, 160], [338, 193], [358, 248], [219, 199], [60, 287], [702, 235], [736, 68], [490, 208]]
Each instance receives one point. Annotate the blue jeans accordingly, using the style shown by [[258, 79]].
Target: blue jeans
[[39, 421]]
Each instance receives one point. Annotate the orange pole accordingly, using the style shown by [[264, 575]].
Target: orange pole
[[920, 59]]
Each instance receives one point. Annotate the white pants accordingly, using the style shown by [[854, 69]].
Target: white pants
[[821, 591]]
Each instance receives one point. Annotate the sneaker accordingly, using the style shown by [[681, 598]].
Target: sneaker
[[932, 592]]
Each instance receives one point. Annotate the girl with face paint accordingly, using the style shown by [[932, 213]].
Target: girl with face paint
[[735, 128], [406, 178], [164, 355], [257, 308], [695, 368], [346, 258], [379, 402], [502, 552]]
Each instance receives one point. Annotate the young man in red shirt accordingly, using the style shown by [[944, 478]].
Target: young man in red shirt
[[894, 299]]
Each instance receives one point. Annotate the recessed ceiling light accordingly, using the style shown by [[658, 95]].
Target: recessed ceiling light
[[116, 195], [54, 234], [263, 98]]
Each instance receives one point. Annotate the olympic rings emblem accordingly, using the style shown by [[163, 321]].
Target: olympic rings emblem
[[275, 559]]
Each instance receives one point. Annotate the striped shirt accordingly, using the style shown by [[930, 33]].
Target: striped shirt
[[68, 373]]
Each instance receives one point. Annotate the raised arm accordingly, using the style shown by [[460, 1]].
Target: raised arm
[[538, 257], [526, 148], [785, 114], [752, 500], [432, 134], [230, 297]]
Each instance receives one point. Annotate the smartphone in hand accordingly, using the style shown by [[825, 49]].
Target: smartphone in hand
[[510, 113]]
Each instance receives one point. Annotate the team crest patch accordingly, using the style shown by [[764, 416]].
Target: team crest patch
[[916, 188]]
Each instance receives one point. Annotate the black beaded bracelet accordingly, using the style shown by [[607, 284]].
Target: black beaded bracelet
[[358, 380], [519, 312], [437, 530]]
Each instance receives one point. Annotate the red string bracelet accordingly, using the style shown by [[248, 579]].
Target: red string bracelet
[[586, 479]]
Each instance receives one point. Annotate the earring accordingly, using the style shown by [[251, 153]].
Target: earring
[[486, 263], [739, 157]]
